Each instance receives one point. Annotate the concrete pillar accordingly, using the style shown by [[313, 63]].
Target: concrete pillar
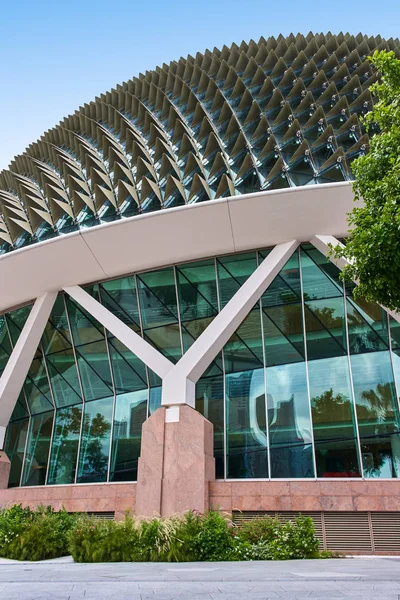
[[5, 467], [176, 463]]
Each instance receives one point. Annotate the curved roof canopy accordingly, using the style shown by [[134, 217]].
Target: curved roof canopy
[[264, 115]]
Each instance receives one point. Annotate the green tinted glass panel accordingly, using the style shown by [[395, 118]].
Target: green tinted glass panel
[[326, 265], [119, 297], [130, 414], [197, 285], [283, 334], [290, 436], [157, 295], [317, 284], [244, 350], [394, 333], [210, 403], [129, 372], [95, 443], [198, 299], [367, 327], [64, 378], [159, 312], [154, 398], [5, 344], [16, 321], [166, 339], [56, 336], [94, 369], [15, 449], [85, 328], [37, 450], [378, 414], [20, 409], [335, 434], [233, 272], [37, 388], [286, 287], [247, 454], [325, 328], [65, 443]]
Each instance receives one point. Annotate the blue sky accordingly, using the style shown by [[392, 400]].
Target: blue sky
[[57, 55]]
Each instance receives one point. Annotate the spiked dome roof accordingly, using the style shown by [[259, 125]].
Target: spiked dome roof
[[279, 113]]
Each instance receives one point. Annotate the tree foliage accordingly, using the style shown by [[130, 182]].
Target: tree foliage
[[374, 243]]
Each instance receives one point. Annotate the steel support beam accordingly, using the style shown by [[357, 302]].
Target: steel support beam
[[21, 358]]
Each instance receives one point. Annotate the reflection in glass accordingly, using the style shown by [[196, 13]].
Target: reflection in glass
[[246, 425], [64, 448], [232, 273], [37, 451], [130, 414], [64, 378], [244, 349], [289, 422], [94, 369], [129, 372], [283, 334], [154, 398], [319, 282], [95, 444], [37, 388], [334, 426], [367, 327], [15, 448], [325, 328], [210, 403], [56, 336], [119, 296], [378, 414]]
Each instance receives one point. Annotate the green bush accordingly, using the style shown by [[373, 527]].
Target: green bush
[[294, 539], [92, 540], [13, 521], [43, 534], [258, 529], [34, 535]]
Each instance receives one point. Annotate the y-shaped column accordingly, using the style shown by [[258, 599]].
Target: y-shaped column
[[179, 383]]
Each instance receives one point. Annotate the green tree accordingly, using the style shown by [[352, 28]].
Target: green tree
[[374, 243]]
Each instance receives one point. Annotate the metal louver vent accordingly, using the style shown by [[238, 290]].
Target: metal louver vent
[[350, 532], [103, 515], [276, 113]]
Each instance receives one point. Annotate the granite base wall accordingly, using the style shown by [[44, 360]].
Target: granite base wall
[[338, 495], [107, 497], [379, 496]]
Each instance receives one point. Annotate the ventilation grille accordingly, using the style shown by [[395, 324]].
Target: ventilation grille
[[103, 515], [358, 532]]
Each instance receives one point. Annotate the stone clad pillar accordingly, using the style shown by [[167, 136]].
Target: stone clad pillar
[[5, 467], [176, 463]]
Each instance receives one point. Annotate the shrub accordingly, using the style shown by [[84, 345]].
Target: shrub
[[92, 540], [214, 540], [43, 534], [294, 539], [13, 520], [258, 529], [35, 535]]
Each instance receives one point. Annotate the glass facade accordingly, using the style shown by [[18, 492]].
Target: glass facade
[[306, 387]]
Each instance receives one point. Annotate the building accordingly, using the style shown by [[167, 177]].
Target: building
[[166, 249]]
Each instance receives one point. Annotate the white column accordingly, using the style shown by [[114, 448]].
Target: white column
[[179, 383], [21, 358], [322, 243], [140, 348]]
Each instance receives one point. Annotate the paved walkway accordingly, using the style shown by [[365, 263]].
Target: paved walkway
[[369, 578]]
